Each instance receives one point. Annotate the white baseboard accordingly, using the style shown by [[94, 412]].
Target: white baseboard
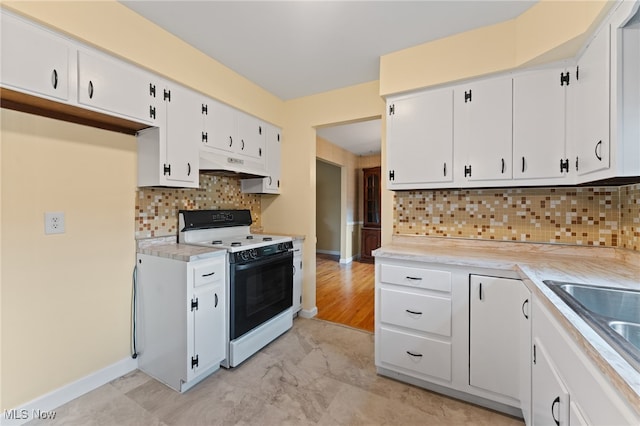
[[347, 260], [306, 313], [45, 405], [331, 252]]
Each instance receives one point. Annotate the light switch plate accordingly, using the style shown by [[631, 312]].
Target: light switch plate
[[54, 223]]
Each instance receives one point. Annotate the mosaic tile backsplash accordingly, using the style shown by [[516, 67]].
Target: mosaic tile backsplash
[[602, 216], [157, 208]]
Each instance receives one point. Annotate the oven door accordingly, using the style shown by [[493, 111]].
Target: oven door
[[260, 290]]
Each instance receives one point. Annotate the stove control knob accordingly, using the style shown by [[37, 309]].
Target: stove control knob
[[253, 253], [244, 255]]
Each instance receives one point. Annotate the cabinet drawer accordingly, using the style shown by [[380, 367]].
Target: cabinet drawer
[[418, 354], [208, 272], [421, 312], [416, 277]]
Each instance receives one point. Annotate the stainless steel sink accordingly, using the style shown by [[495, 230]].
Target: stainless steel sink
[[614, 313]]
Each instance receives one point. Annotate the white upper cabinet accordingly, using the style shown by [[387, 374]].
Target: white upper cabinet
[[589, 106], [482, 129], [252, 135], [34, 60], [420, 139], [168, 154], [183, 132], [232, 140], [220, 126], [117, 87], [539, 148], [271, 183]]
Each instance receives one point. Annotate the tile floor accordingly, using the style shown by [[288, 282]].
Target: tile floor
[[319, 373]]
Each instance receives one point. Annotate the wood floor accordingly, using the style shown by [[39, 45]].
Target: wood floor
[[345, 292]]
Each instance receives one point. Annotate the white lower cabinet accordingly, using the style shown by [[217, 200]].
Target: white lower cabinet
[[181, 320], [297, 275], [422, 315], [413, 320], [415, 354], [500, 338], [567, 387], [551, 404]]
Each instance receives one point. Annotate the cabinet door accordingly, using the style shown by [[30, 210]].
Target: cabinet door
[[297, 279], [590, 106], [209, 326], [482, 129], [497, 312], [420, 139], [33, 60], [183, 133], [539, 125], [220, 126], [274, 159], [252, 135], [117, 87], [550, 395]]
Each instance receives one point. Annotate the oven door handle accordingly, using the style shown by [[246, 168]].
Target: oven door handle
[[261, 262]]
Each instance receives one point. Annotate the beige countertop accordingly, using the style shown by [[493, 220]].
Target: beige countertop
[[169, 248], [535, 263]]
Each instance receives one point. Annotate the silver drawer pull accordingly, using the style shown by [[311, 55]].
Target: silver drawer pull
[[414, 278], [414, 355], [208, 275], [413, 312]]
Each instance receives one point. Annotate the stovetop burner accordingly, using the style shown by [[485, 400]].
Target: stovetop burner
[[227, 229]]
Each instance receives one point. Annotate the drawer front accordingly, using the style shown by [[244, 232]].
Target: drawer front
[[416, 277], [208, 272], [418, 354], [430, 314]]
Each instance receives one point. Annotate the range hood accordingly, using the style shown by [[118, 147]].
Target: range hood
[[228, 164]]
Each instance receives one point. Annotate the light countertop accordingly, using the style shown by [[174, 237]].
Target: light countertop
[[537, 262], [169, 248]]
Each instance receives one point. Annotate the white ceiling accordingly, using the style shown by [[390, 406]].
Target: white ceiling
[[299, 48]]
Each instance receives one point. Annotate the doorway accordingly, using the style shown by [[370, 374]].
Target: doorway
[[344, 286]]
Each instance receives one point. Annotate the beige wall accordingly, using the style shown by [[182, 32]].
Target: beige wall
[[351, 206], [328, 211], [549, 31], [65, 298], [294, 210]]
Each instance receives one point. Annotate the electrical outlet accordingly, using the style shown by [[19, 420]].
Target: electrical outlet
[[54, 223]]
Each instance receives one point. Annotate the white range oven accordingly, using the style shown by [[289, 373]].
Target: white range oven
[[260, 277]]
